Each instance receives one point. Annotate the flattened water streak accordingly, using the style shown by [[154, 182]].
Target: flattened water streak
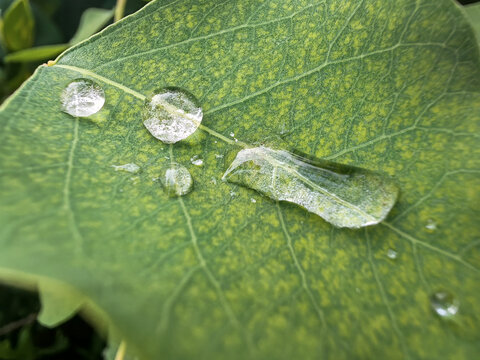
[[176, 180], [82, 98], [172, 114], [342, 195]]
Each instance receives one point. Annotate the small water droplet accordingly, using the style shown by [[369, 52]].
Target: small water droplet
[[176, 180], [233, 193], [196, 161], [218, 156], [215, 141], [253, 200], [82, 98], [444, 304], [232, 134], [130, 168], [172, 114], [431, 225], [392, 254], [214, 181], [343, 195]]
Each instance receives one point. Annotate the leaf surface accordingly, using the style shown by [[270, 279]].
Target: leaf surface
[[390, 86]]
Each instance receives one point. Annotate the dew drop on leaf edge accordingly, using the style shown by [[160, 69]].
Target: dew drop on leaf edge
[[176, 180], [82, 98], [444, 304], [172, 114], [344, 196]]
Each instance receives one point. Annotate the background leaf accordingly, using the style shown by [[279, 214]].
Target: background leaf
[[392, 86], [36, 53], [91, 21], [473, 13], [18, 26]]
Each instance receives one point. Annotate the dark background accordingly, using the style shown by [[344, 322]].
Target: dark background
[[21, 337]]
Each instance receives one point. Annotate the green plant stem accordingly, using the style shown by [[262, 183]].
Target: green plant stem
[[121, 351], [18, 324], [119, 10]]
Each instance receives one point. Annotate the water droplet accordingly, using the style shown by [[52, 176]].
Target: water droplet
[[344, 196], [431, 225], [176, 180], [392, 254], [196, 161], [218, 156], [214, 181], [130, 168], [172, 114], [82, 98], [233, 194], [253, 200], [444, 304]]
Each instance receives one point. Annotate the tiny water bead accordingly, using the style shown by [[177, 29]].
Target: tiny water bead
[[176, 180], [343, 195], [392, 254], [431, 225], [82, 98], [130, 168], [444, 304], [196, 161], [172, 114]]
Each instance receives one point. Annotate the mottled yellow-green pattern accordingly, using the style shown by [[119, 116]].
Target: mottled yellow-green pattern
[[388, 85]]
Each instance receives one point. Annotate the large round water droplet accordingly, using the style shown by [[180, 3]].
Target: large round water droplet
[[82, 97], [172, 114], [444, 304], [176, 180]]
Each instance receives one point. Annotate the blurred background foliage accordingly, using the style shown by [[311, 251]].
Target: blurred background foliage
[[35, 31], [31, 33]]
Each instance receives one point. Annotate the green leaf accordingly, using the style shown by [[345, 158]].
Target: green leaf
[[59, 303], [390, 86], [91, 21], [36, 53], [473, 14], [18, 26]]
